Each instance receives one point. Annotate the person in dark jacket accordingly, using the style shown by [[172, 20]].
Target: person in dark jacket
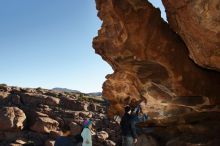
[[129, 135]]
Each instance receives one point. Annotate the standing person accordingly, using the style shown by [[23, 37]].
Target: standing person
[[86, 133], [129, 135]]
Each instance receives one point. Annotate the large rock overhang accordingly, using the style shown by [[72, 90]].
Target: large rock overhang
[[148, 57]]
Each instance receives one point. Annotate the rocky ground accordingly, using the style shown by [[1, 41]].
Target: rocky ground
[[38, 116]]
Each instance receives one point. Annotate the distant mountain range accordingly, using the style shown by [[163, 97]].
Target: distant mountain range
[[76, 91], [65, 90], [95, 94]]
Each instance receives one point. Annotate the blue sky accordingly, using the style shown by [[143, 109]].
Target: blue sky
[[48, 43]]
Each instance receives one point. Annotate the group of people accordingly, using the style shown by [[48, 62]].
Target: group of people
[[128, 127]]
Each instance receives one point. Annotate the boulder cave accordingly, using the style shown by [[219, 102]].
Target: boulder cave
[[174, 65]]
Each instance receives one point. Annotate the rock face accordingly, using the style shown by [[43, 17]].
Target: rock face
[[147, 56], [198, 24], [174, 67]]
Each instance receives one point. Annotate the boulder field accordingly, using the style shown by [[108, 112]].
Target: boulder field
[[39, 116]]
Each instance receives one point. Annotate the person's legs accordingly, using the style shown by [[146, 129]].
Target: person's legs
[[130, 141], [122, 141], [127, 141]]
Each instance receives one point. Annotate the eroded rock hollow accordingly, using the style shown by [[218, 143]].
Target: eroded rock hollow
[[147, 56], [174, 65]]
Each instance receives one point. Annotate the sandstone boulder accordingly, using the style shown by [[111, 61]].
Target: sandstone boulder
[[102, 135], [4, 97], [15, 99], [110, 143], [85, 106], [12, 118], [4, 88], [71, 103], [35, 99], [44, 124]]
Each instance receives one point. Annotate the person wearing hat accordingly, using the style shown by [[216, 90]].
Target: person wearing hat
[[86, 133]]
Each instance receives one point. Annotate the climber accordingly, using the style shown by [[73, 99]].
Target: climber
[[129, 135], [137, 111], [87, 133]]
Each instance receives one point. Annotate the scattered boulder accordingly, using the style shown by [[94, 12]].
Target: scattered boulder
[[85, 114], [110, 143], [15, 99], [85, 106], [93, 107], [11, 118], [44, 114], [35, 99], [102, 135], [71, 103], [4, 88], [44, 124], [4, 98]]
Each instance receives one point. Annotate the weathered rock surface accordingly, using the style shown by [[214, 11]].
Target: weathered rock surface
[[102, 135], [33, 99], [110, 143], [11, 119], [147, 56], [44, 124], [198, 24], [174, 67]]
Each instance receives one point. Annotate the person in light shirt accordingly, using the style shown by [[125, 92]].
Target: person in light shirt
[[87, 133]]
